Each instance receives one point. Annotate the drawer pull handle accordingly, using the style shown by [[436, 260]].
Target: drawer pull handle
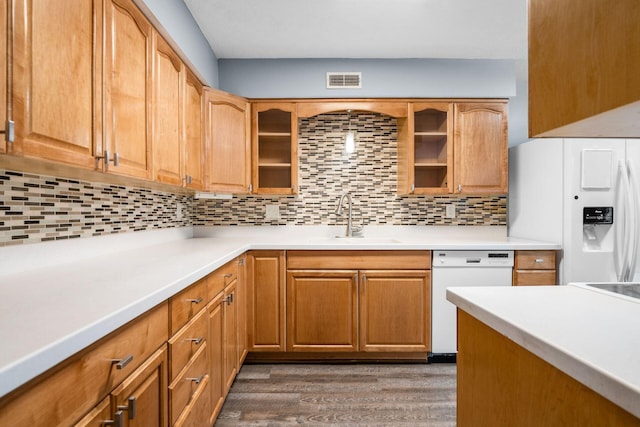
[[196, 380], [196, 341], [195, 300], [130, 407], [539, 260], [228, 275], [122, 363], [118, 419]]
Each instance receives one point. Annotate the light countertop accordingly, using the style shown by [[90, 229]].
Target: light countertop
[[591, 335], [57, 298]]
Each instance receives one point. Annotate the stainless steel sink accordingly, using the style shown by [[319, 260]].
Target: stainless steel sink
[[627, 289]]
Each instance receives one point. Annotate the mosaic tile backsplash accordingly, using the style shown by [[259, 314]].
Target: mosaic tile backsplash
[[35, 208], [369, 174]]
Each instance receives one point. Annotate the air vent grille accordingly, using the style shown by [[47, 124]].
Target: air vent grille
[[344, 80]]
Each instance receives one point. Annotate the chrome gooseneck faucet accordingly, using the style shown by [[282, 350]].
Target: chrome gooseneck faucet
[[351, 230]]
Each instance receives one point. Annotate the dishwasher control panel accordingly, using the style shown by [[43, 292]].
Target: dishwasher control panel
[[472, 258]]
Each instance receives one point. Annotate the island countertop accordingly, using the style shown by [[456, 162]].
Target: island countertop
[[66, 295], [591, 335]]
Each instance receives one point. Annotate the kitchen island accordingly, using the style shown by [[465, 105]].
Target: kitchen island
[[532, 356]]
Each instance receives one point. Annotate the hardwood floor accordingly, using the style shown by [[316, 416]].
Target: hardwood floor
[[342, 395]]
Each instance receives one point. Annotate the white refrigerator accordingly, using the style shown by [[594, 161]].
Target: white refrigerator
[[583, 194]]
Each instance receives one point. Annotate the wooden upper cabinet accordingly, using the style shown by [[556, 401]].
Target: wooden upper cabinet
[[56, 80], [128, 88], [227, 124], [4, 96], [167, 120], [584, 68], [274, 133], [425, 149], [193, 133], [481, 148]]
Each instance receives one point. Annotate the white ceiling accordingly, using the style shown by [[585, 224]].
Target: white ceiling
[[484, 29]]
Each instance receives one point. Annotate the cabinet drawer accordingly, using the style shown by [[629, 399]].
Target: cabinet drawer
[[220, 278], [356, 260], [75, 387], [198, 411], [187, 304], [184, 345], [184, 387], [535, 260], [534, 277]]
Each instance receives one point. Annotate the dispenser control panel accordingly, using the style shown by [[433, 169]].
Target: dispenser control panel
[[597, 215]]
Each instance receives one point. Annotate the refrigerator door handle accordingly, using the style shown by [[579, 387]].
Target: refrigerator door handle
[[635, 219], [621, 248]]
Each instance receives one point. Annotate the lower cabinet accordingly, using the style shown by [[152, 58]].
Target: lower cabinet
[[141, 399], [215, 311], [534, 268], [128, 364], [395, 310], [322, 310], [358, 301], [266, 301]]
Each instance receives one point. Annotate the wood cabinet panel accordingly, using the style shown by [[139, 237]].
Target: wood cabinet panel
[[4, 95], [395, 310], [221, 278], [57, 99], [358, 259], [274, 134], [266, 300], [227, 125], [141, 399], [70, 390], [535, 260], [230, 338], [128, 83], [322, 310], [584, 60], [534, 268], [216, 354], [184, 387], [534, 277], [480, 152], [197, 412], [98, 415], [193, 133], [500, 383], [241, 301], [184, 344], [186, 304], [167, 119]]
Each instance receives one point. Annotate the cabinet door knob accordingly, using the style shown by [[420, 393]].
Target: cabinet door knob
[[539, 260]]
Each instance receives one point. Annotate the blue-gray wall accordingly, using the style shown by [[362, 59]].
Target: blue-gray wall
[[383, 78], [173, 18]]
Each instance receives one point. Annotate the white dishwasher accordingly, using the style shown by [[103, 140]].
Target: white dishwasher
[[460, 268]]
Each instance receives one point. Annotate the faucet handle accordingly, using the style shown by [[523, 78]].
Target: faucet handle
[[357, 231]]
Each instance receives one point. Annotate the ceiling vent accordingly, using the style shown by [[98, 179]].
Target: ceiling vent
[[344, 80]]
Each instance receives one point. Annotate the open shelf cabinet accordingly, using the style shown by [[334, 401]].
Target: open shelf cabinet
[[426, 149], [275, 143]]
